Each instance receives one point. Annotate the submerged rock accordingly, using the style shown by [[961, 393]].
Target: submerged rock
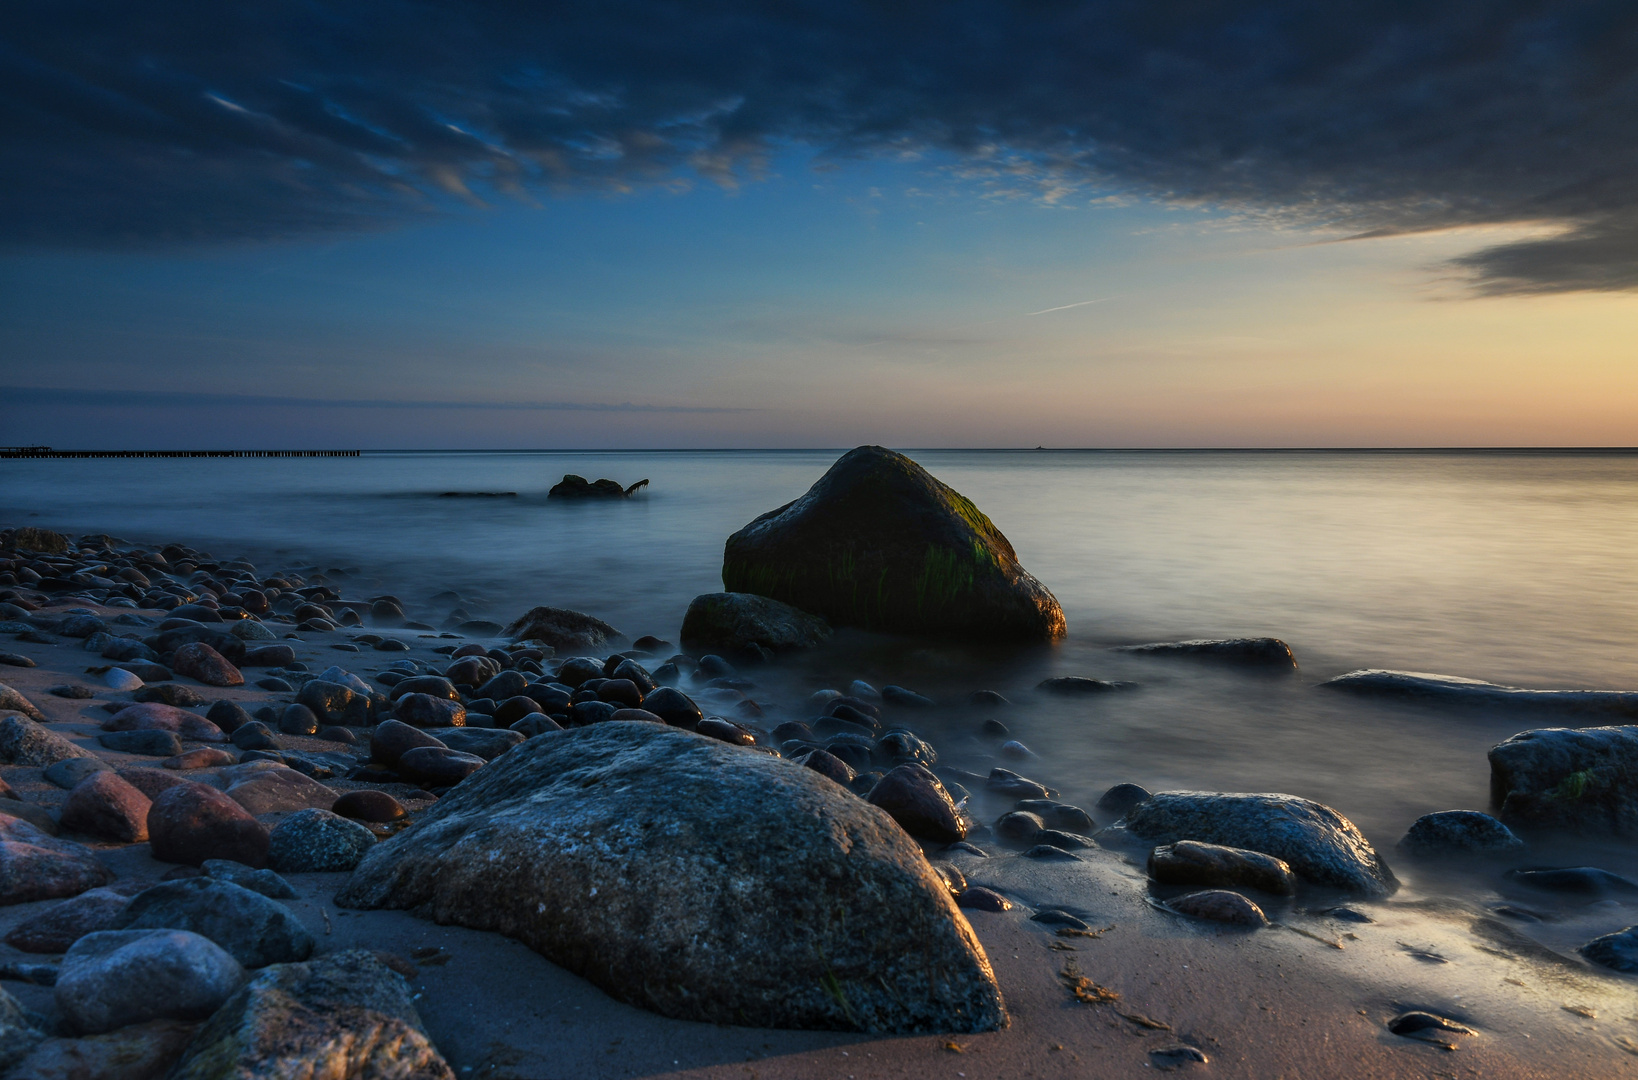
[[1318, 843], [1580, 779], [1459, 832], [345, 1016], [578, 487], [737, 622], [562, 629], [767, 894], [1252, 652], [1618, 951], [878, 543], [1458, 691]]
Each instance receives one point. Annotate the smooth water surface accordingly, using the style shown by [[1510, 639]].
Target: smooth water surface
[[1511, 567]]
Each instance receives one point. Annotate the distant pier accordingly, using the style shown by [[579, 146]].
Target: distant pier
[[48, 452]]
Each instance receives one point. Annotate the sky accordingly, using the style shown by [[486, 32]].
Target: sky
[[727, 224]]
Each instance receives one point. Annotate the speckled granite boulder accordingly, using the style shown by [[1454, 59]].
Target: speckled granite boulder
[[767, 894]]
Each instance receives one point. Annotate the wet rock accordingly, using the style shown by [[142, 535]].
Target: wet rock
[[1177, 1056], [898, 746], [727, 731], [298, 719], [391, 738], [1068, 841], [344, 1016], [505, 685], [174, 694], [578, 487], [562, 629], [1189, 862], [334, 703], [35, 866], [741, 622], [112, 978], [1576, 881], [951, 875], [230, 716], [58, 927], [254, 736], [674, 707], [881, 544], [312, 841], [135, 1052], [535, 724], [435, 685], [1618, 951], [826, 764], [1060, 917], [31, 538], [149, 743], [1219, 905], [636, 674], [578, 670], [278, 789], [583, 713], [621, 693], [1018, 827], [339, 735], [204, 757], [507, 712], [917, 800], [191, 823], [1583, 780], [1315, 841], [437, 766], [1427, 1027], [1459, 832], [107, 807], [988, 699], [70, 771], [199, 661], [369, 805], [1049, 851], [24, 742], [1076, 686], [1007, 782], [424, 710], [978, 898], [152, 717], [798, 850], [1448, 689], [256, 930], [1249, 652], [266, 882], [1057, 815]]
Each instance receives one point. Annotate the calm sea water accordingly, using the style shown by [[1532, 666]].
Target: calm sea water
[[1516, 568]]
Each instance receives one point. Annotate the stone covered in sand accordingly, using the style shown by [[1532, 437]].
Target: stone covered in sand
[[766, 894], [1314, 840], [879, 543]]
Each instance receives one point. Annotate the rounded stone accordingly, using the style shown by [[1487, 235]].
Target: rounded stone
[[391, 739], [1220, 905], [114, 978], [107, 807], [369, 805], [1459, 832], [191, 823], [437, 766], [917, 801], [313, 841]]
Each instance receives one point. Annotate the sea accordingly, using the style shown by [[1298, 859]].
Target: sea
[[1516, 567]]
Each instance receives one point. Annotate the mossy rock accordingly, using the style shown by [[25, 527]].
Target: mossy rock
[[879, 543]]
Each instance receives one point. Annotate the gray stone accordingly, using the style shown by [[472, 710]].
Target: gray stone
[[112, 978], [20, 1032], [1220, 905], [1189, 862], [24, 742], [256, 930], [270, 790], [147, 743], [1579, 779], [58, 927], [312, 840], [736, 622], [35, 866], [562, 629], [1317, 842], [1459, 832], [265, 882], [1250, 652], [879, 543], [836, 920], [70, 771], [1451, 690], [344, 1016], [1618, 950]]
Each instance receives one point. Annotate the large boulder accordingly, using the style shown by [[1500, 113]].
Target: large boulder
[[879, 543], [1581, 779], [345, 1016], [562, 629], [766, 894], [736, 623], [1318, 843]]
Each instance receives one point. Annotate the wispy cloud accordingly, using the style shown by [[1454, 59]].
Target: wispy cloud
[[45, 395], [1066, 307]]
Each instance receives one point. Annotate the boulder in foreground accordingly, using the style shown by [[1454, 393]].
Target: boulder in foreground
[[697, 879], [735, 623], [562, 629], [345, 1016], [1317, 843], [1581, 779], [879, 543]]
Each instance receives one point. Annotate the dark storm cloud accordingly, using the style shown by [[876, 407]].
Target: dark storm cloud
[[125, 123]]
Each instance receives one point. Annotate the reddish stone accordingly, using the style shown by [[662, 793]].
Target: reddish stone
[[152, 716], [199, 661], [108, 807], [34, 866], [202, 757], [151, 782], [191, 823], [1220, 905], [369, 805]]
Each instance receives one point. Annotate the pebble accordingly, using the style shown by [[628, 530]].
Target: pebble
[[369, 805], [114, 978], [1426, 1026], [1057, 815], [915, 798], [120, 680], [191, 823], [978, 898], [1219, 905], [317, 841]]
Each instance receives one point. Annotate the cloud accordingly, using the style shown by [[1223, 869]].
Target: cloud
[[44, 395], [137, 124]]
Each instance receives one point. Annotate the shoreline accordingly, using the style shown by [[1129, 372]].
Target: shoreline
[[1278, 1001]]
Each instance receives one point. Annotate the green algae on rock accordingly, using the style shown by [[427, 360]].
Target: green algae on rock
[[879, 543]]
